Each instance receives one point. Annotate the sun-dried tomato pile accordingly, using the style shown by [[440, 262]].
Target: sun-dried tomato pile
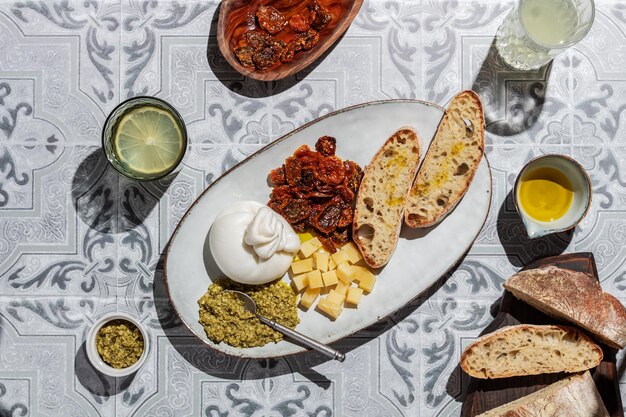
[[315, 191], [261, 50]]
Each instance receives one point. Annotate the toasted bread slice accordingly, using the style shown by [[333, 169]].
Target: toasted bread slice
[[382, 195], [575, 297], [450, 163], [573, 396], [530, 350]]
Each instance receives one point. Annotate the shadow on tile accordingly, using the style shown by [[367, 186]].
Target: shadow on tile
[[110, 203], [99, 385], [519, 248], [249, 87], [523, 93]]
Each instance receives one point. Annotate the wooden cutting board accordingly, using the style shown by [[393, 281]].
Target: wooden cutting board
[[485, 394]]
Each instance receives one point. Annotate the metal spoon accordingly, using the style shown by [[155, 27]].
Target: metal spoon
[[250, 306]]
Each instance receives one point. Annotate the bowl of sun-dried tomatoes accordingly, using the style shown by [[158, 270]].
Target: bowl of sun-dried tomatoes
[[273, 39]]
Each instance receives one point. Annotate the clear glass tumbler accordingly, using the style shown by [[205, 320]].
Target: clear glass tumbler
[[144, 138], [536, 31]]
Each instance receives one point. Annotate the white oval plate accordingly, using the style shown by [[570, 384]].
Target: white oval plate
[[421, 257]]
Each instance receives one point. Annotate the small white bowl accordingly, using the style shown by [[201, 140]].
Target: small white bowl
[[95, 358]]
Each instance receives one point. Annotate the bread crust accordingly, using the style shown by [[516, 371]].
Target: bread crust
[[411, 217], [374, 194], [490, 371], [575, 297], [573, 396]]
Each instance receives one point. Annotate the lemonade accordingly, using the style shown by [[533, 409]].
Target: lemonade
[[144, 138]]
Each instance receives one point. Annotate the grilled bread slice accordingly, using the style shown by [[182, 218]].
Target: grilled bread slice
[[382, 195], [530, 350], [575, 297], [574, 396], [450, 163]]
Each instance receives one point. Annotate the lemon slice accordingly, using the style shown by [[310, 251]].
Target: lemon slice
[[148, 141]]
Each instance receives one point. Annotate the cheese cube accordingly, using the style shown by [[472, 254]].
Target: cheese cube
[[305, 236], [308, 297], [307, 249], [346, 273], [300, 267], [335, 297], [315, 242], [300, 281], [315, 279], [367, 282], [354, 254], [354, 295], [321, 260], [339, 257], [362, 274], [331, 264], [330, 309], [342, 288], [329, 278]]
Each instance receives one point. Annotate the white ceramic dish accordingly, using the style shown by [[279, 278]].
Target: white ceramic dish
[[96, 359], [421, 257]]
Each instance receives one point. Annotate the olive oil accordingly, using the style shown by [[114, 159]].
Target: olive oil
[[545, 194]]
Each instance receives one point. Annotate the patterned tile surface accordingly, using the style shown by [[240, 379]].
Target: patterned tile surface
[[77, 241]]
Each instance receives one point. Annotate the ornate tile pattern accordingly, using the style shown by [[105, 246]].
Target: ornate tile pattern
[[78, 241]]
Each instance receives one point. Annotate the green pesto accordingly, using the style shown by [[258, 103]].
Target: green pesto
[[119, 343], [225, 320]]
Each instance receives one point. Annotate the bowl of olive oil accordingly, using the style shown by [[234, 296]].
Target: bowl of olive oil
[[144, 138], [552, 194]]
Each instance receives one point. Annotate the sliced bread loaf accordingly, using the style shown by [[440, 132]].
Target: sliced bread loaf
[[382, 195], [450, 163], [575, 297], [574, 396], [530, 350]]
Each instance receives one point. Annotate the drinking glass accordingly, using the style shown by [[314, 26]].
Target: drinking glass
[[536, 31], [152, 145]]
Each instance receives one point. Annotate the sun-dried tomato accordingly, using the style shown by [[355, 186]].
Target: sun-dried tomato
[[322, 16], [316, 194], [296, 210], [244, 54], [289, 53], [299, 23], [308, 39], [293, 170], [326, 145], [256, 39], [270, 19], [277, 176], [330, 170], [268, 55], [327, 220]]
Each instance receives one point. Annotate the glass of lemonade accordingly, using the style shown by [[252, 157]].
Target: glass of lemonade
[[144, 138], [536, 31]]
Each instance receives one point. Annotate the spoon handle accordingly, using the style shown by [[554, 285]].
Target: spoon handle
[[305, 340]]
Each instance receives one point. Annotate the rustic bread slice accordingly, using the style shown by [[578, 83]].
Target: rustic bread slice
[[382, 195], [450, 163], [574, 396], [575, 297], [530, 350]]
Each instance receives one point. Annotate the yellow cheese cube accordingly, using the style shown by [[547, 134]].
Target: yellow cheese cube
[[315, 242], [300, 281], [305, 236], [339, 257], [300, 267], [330, 309], [346, 273], [354, 295], [354, 254], [308, 297], [335, 297], [307, 249], [329, 278], [321, 260], [367, 282], [331, 264], [362, 274], [342, 288], [315, 279]]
